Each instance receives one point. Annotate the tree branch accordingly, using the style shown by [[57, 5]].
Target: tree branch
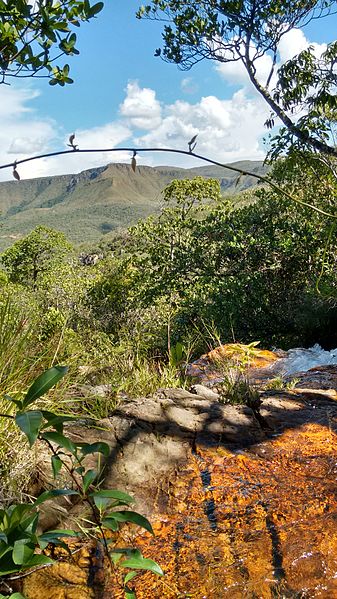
[[262, 178]]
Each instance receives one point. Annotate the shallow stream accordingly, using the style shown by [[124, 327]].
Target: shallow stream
[[258, 523], [255, 522]]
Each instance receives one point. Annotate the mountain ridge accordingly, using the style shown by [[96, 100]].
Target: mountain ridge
[[88, 204]]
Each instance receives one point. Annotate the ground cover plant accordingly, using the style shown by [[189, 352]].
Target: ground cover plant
[[21, 546]]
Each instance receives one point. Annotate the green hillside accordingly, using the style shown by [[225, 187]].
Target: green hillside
[[87, 205]]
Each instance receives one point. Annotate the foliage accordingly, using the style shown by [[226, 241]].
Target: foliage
[[236, 389], [279, 383], [30, 259], [21, 546], [246, 31], [250, 270], [35, 35], [167, 245]]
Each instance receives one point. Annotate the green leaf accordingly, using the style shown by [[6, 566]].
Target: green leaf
[[129, 577], [99, 447], [22, 552], [55, 537], [95, 9], [110, 523], [57, 464], [110, 498], [128, 516], [88, 479], [114, 494], [43, 383], [141, 563], [17, 402], [30, 423], [56, 420], [129, 594], [61, 441], [38, 560], [53, 493]]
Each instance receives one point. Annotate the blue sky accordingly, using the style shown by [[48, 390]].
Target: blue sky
[[123, 95]]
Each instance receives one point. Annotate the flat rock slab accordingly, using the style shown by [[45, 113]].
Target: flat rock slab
[[198, 467]]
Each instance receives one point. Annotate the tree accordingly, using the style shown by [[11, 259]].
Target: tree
[[246, 30], [166, 244], [32, 258], [34, 36]]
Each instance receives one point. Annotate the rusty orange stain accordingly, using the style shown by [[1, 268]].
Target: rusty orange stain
[[249, 524]]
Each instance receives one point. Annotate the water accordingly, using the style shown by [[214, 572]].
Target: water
[[258, 523], [301, 359]]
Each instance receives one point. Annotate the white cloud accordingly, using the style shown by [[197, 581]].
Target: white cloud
[[291, 44], [189, 85], [141, 107], [227, 129], [106, 136], [22, 131], [236, 74], [294, 42]]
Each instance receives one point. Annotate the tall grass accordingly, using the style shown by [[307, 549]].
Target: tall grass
[[22, 357]]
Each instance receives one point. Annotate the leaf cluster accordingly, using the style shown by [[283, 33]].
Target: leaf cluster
[[35, 35], [21, 547]]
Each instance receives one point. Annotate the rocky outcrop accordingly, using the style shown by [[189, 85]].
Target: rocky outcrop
[[241, 506]]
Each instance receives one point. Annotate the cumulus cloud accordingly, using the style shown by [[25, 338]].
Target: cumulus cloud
[[291, 44], [141, 108], [294, 42], [227, 130], [22, 131]]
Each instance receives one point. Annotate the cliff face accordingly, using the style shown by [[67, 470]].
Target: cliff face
[[93, 202]]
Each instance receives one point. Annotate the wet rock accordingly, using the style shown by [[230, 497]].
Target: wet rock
[[320, 377], [238, 510], [84, 576], [209, 369]]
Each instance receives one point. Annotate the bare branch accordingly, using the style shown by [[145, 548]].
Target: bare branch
[[262, 178]]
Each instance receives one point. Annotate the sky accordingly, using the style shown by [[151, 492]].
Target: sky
[[124, 96]]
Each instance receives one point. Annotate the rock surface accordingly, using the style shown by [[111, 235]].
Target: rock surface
[[241, 506]]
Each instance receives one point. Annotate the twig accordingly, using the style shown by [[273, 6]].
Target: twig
[[262, 178]]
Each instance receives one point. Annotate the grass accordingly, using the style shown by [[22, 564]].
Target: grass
[[280, 384], [236, 389]]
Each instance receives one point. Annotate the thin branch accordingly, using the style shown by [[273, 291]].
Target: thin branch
[[262, 178]]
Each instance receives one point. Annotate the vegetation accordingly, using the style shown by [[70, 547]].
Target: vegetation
[[246, 31], [69, 199], [21, 546], [157, 295], [34, 36]]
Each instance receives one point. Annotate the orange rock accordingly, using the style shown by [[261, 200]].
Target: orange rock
[[81, 576]]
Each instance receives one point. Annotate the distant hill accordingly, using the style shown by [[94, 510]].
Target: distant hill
[[96, 201]]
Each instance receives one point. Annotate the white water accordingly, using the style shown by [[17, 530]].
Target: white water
[[301, 360]]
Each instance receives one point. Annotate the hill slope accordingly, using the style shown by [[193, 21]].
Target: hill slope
[[87, 205]]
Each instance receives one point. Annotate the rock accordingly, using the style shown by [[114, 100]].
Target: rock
[[204, 392], [83, 576], [320, 377], [209, 369], [237, 506]]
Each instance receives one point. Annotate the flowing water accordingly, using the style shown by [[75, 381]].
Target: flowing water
[[253, 523], [301, 360], [258, 522]]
